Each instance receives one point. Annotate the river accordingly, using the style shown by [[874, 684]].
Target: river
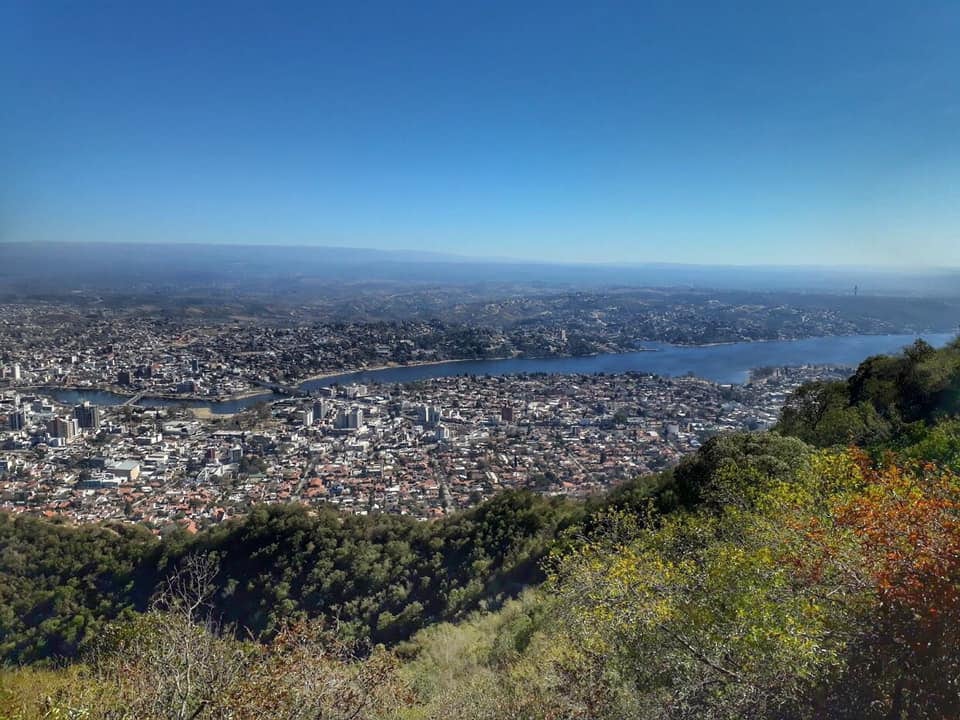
[[726, 363]]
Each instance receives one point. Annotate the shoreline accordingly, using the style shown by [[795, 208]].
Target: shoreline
[[424, 363], [389, 366], [268, 395]]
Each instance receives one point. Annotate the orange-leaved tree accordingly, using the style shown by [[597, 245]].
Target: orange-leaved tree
[[903, 525]]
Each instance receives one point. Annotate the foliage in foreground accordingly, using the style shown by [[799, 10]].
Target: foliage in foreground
[[175, 663], [826, 589], [833, 593]]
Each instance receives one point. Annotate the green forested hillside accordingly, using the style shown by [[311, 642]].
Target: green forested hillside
[[381, 578], [889, 401], [60, 583]]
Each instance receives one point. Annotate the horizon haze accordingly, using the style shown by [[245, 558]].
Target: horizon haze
[[54, 268]]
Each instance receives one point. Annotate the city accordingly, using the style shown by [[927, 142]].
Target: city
[[423, 449], [185, 419]]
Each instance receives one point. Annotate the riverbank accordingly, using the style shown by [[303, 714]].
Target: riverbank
[[380, 368], [728, 363], [720, 363]]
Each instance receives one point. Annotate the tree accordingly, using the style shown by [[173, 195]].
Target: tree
[[699, 617], [898, 536], [172, 662], [307, 673]]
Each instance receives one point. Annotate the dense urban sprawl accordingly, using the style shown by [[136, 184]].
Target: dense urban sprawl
[[422, 449]]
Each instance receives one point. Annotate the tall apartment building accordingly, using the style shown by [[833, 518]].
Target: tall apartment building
[[87, 416]]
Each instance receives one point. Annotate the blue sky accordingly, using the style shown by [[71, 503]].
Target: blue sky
[[706, 132]]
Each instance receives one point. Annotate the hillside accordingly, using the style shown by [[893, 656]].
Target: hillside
[[891, 401], [809, 572], [383, 578]]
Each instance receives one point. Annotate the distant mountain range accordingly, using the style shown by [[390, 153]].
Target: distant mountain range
[[49, 267]]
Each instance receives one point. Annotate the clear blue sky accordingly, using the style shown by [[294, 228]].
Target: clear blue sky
[[734, 132]]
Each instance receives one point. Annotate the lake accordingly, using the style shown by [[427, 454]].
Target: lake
[[727, 363], [102, 397]]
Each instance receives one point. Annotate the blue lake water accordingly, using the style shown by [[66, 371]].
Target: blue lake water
[[102, 397], [729, 363]]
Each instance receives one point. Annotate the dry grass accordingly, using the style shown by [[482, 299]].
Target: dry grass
[[35, 694]]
